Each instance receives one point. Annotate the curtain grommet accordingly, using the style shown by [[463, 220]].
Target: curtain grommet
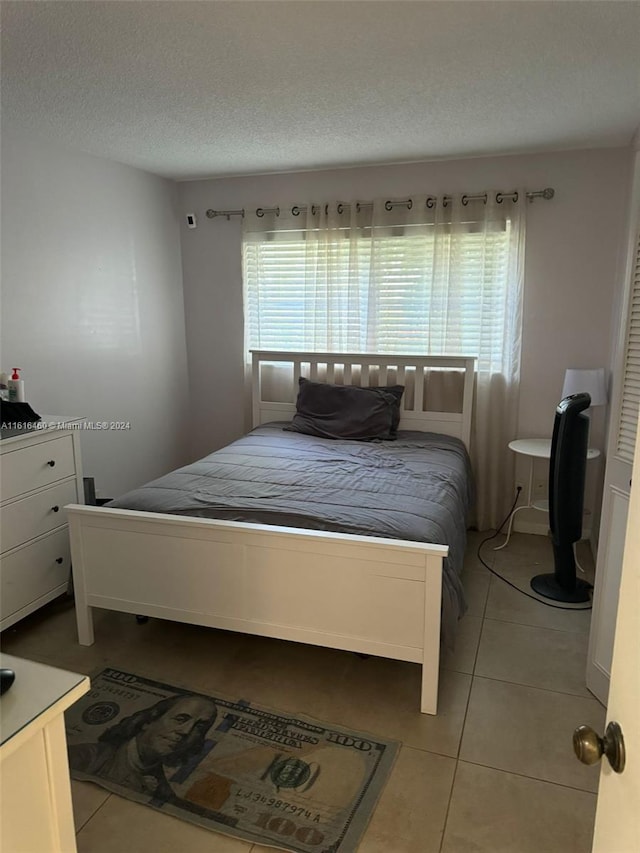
[[389, 205], [431, 201], [260, 212], [295, 210], [464, 200]]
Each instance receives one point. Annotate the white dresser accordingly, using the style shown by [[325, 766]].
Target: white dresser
[[40, 472], [36, 813]]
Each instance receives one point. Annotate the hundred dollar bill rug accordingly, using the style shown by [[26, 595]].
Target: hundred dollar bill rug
[[267, 777]]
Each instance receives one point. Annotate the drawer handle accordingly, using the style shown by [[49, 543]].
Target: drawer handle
[[59, 560], [51, 463], [55, 508]]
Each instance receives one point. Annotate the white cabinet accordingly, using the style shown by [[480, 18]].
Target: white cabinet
[[36, 814], [40, 472]]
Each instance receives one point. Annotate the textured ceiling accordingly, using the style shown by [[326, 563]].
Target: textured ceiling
[[198, 89]]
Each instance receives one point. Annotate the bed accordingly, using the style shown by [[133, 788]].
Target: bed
[[297, 553]]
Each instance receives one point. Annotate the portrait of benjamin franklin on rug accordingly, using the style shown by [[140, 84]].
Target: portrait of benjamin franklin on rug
[[133, 752]]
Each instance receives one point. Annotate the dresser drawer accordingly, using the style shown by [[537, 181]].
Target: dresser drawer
[[36, 466], [33, 571], [27, 518]]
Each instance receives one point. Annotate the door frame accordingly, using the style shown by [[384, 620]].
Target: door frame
[[607, 577]]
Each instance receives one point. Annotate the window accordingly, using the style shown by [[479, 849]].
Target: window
[[408, 290]]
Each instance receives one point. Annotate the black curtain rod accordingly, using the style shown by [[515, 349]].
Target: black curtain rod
[[431, 202]]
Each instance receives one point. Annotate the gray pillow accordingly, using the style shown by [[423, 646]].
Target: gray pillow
[[347, 411]]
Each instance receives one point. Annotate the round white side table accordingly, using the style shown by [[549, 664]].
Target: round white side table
[[534, 448]]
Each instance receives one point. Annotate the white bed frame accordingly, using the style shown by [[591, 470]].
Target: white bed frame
[[358, 593]]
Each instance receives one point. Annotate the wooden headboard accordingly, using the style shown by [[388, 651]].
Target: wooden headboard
[[367, 369]]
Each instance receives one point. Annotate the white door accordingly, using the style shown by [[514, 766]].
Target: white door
[[617, 827], [625, 400]]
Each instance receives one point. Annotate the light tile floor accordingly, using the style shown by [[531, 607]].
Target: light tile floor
[[493, 772]]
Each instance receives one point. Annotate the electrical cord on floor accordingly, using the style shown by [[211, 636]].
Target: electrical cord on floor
[[498, 575]]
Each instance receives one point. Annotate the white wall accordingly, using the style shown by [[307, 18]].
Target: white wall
[[573, 245], [92, 304]]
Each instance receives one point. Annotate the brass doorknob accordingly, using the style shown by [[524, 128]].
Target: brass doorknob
[[589, 747]]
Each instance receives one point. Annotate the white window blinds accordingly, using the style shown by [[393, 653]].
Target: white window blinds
[[628, 422], [410, 289]]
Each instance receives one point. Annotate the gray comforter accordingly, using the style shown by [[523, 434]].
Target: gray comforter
[[416, 488]]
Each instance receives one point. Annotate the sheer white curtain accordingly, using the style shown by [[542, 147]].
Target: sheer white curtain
[[425, 275]]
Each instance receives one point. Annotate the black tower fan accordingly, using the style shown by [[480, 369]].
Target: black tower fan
[[567, 468]]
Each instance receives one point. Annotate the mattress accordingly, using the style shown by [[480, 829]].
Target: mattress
[[416, 488]]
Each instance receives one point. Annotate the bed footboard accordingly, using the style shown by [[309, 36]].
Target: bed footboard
[[358, 593]]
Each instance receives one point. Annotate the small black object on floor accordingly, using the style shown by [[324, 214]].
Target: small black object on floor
[[7, 677], [549, 586]]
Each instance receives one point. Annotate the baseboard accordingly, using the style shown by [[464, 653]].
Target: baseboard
[[540, 528]]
